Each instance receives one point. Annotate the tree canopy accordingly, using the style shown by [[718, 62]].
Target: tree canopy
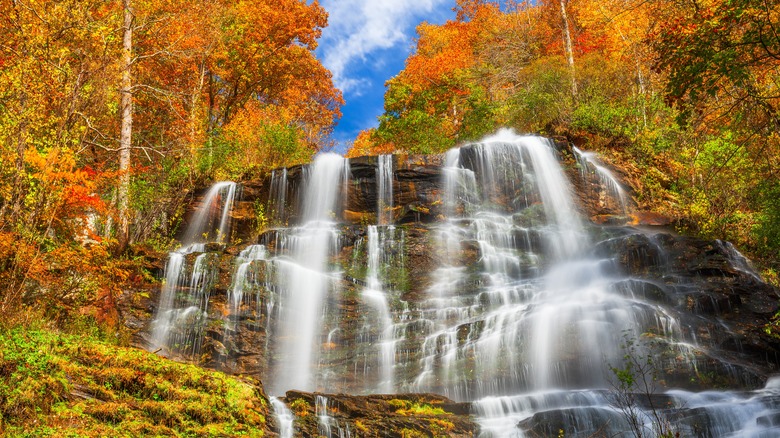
[[217, 89], [683, 95]]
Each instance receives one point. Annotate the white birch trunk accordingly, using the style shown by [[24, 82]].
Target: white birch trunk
[[126, 133]]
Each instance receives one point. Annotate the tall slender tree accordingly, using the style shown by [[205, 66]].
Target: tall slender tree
[[126, 130], [569, 48]]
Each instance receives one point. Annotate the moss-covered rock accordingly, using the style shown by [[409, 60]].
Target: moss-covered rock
[[54, 384], [396, 415]]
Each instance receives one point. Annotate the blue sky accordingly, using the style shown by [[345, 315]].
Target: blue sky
[[364, 45]]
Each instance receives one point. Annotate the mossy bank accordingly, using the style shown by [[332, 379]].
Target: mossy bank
[[58, 384]]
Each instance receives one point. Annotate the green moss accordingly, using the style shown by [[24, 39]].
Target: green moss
[[405, 407], [52, 384], [412, 433], [300, 407], [399, 404], [423, 409]]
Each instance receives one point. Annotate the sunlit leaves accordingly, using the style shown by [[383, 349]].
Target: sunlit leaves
[[440, 98], [241, 74]]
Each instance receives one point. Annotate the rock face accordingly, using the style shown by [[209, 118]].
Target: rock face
[[398, 415], [454, 297]]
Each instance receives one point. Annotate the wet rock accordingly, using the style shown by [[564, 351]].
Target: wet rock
[[636, 254], [397, 415], [610, 219], [644, 290], [650, 218], [771, 420], [574, 422]]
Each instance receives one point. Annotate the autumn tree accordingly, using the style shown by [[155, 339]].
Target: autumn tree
[[569, 47], [56, 64], [365, 145], [438, 99], [271, 61], [126, 129], [722, 60], [108, 109], [221, 88]]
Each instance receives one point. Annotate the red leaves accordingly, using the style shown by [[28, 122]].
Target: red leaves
[[81, 198]]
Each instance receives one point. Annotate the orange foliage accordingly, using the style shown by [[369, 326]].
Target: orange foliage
[[271, 59], [245, 69], [367, 145]]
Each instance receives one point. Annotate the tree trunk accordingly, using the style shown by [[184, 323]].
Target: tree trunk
[[569, 50], [126, 134], [195, 122], [640, 77]]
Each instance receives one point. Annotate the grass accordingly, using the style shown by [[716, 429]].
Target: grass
[[56, 384]]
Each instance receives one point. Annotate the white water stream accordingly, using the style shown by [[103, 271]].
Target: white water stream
[[304, 277], [181, 317], [589, 162]]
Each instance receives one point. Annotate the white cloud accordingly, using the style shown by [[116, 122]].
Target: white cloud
[[357, 28]]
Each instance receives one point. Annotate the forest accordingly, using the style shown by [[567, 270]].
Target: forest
[[114, 113], [683, 95]]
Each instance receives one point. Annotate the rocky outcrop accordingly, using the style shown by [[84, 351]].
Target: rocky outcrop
[[417, 188], [397, 415], [714, 285], [707, 284]]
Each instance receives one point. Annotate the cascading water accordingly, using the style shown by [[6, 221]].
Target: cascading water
[[284, 417], [211, 222], [278, 195], [375, 296], [594, 413], [304, 278], [181, 317], [243, 281], [328, 426], [610, 188], [500, 193], [384, 189], [509, 298]]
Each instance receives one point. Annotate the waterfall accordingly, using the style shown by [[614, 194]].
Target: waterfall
[[278, 196], [284, 417], [242, 282], [244, 260], [505, 295], [304, 277], [376, 297], [328, 426], [594, 413], [609, 185], [496, 193], [180, 317], [211, 223], [384, 190]]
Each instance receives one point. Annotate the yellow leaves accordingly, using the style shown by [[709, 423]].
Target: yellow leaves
[[51, 165], [263, 51], [198, 67]]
